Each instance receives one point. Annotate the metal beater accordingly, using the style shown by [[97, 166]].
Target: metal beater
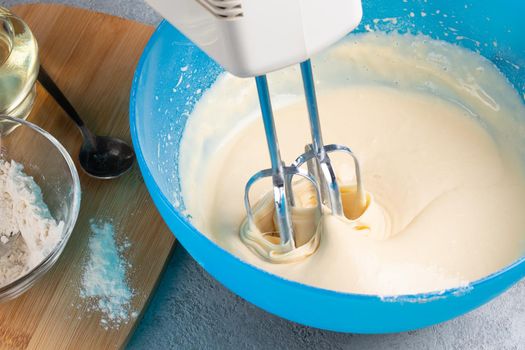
[[320, 171]]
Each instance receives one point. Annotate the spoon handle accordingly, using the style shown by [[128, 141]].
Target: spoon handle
[[52, 88]]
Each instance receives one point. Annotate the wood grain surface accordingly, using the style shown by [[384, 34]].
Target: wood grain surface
[[92, 57]]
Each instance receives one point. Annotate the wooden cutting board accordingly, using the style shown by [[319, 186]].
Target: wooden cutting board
[[92, 57]]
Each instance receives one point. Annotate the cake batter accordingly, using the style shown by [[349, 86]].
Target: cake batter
[[437, 131]]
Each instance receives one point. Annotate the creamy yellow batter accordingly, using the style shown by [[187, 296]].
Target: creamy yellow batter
[[438, 134]]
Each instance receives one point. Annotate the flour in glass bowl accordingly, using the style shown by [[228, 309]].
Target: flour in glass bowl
[[23, 211]]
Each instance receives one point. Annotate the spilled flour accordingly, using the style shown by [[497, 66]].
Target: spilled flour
[[104, 283], [28, 232]]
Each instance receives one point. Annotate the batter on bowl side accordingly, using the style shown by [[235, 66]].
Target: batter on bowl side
[[438, 135]]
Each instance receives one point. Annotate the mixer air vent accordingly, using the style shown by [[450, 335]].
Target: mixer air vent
[[227, 9]]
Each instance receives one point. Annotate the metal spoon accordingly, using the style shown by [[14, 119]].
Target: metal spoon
[[101, 157]]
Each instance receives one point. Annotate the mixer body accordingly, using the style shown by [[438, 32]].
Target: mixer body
[[253, 37]]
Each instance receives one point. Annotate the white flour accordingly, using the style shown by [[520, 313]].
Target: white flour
[[104, 281], [23, 211]]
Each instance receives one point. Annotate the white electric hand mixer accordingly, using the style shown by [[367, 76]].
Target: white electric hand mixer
[[250, 38]]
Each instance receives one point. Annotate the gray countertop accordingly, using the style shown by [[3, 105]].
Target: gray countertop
[[190, 310]]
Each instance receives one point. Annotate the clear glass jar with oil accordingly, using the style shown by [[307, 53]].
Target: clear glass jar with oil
[[19, 66]]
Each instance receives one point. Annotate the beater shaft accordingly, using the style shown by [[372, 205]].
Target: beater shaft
[[281, 194], [320, 166]]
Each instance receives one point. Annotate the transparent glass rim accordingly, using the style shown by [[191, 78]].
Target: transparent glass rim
[[23, 283]]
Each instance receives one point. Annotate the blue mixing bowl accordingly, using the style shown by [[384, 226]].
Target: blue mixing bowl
[[170, 79]]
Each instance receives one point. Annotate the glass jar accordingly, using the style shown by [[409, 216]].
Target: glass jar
[[19, 66]]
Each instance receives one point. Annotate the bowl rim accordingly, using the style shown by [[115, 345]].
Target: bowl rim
[[30, 277], [157, 193]]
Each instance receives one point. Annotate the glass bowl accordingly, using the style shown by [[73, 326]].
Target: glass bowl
[[47, 161]]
